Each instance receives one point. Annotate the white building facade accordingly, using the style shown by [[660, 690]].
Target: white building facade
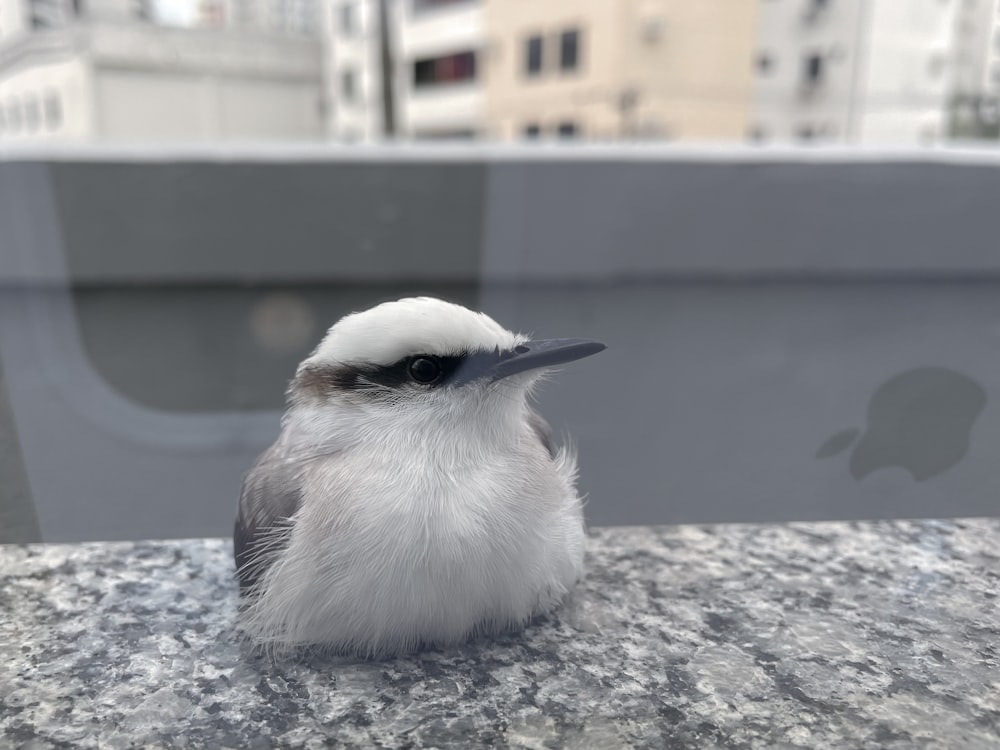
[[438, 48], [134, 82], [352, 67], [856, 71], [975, 73], [292, 17]]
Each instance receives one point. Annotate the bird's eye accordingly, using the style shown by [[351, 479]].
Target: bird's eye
[[424, 369]]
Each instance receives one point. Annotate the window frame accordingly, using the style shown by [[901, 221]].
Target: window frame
[[534, 44], [576, 35]]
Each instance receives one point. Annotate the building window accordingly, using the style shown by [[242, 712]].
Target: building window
[[765, 63], [813, 70], [567, 130], [53, 111], [569, 50], [346, 19], [532, 130], [533, 56], [757, 134], [348, 85], [448, 69], [806, 133], [814, 9], [32, 114]]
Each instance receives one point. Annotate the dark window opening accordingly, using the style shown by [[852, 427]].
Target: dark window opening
[[533, 56], [814, 10], [346, 19], [532, 131], [569, 50], [449, 69], [567, 130], [765, 63], [813, 69]]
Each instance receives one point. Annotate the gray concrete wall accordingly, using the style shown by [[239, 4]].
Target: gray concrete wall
[[755, 305]]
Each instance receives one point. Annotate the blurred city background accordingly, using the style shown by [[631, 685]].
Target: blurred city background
[[818, 71], [780, 215]]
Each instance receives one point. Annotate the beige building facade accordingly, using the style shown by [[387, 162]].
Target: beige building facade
[[610, 69]]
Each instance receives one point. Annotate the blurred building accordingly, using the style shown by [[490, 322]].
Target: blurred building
[[505, 69], [134, 82], [867, 70], [438, 48], [20, 17], [648, 69], [272, 16], [858, 71], [974, 103], [99, 71], [352, 70]]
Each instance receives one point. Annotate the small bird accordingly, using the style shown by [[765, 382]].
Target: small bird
[[413, 497]]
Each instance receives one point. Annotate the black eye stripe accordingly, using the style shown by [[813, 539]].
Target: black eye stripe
[[378, 382], [455, 370]]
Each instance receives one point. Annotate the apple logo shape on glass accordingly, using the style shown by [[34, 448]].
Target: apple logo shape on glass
[[920, 420]]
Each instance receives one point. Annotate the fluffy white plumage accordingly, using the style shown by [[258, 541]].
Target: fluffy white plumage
[[392, 515]]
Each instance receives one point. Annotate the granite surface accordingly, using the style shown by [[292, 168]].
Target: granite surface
[[805, 635]]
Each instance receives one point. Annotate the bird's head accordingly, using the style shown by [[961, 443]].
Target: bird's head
[[423, 353]]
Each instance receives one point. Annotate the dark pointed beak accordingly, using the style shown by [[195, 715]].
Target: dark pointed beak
[[544, 353]]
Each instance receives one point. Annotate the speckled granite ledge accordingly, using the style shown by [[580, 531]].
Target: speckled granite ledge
[[808, 635]]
